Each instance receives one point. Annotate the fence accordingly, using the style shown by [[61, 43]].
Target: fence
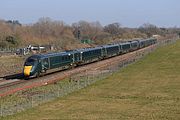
[[23, 100], [7, 51]]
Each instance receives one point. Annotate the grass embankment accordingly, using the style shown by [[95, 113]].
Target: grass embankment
[[148, 89]]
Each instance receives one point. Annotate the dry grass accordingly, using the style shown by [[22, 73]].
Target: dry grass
[[148, 89], [11, 64]]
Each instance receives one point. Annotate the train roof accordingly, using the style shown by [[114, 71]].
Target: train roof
[[40, 56], [125, 43], [110, 45], [85, 49]]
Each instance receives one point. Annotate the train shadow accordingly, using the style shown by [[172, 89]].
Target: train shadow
[[13, 76]]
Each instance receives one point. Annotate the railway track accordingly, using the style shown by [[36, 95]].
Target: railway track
[[20, 84], [2, 80], [8, 83]]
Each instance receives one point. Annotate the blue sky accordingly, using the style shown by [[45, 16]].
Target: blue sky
[[130, 13]]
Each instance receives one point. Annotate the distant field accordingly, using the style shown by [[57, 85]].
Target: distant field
[[148, 89], [11, 65]]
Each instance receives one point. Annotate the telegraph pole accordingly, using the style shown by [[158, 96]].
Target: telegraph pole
[[78, 34]]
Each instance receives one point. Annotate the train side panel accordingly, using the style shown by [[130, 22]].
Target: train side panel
[[112, 50], [91, 55], [60, 61], [126, 47]]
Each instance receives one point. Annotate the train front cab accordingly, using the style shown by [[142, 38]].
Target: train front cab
[[30, 67]]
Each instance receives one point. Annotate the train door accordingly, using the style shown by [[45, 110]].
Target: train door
[[76, 57], [104, 52], [120, 48], [45, 64], [72, 58]]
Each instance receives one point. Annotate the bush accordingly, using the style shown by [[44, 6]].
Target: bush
[[12, 41], [3, 44]]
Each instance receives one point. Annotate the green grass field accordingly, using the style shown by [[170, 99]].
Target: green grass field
[[147, 89]]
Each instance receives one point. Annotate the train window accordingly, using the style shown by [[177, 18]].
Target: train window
[[31, 60]]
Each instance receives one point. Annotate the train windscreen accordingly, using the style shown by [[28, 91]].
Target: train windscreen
[[30, 61]]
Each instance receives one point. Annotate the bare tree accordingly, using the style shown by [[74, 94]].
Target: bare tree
[[149, 29], [88, 30], [113, 29]]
